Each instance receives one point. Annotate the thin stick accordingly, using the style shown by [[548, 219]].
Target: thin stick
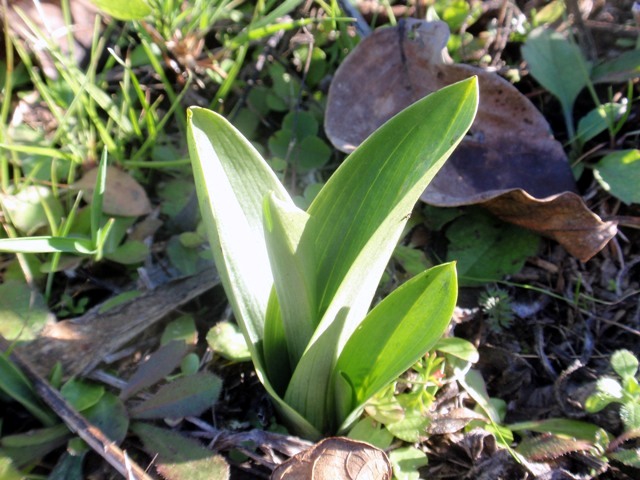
[[91, 434]]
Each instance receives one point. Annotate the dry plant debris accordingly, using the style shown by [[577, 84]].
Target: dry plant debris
[[509, 164]]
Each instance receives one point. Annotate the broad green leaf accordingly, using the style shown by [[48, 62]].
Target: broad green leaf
[[185, 396], [397, 332], [619, 174], [558, 65], [624, 363], [129, 253], [159, 364], [630, 416], [406, 461], [459, 348], [412, 428], [110, 416], [370, 431], [360, 215], [487, 249], [27, 208], [23, 311], [179, 457], [225, 339], [81, 395], [293, 266], [124, 9], [381, 182], [232, 181], [182, 328]]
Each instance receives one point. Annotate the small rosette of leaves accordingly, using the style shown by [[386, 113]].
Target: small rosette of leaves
[[301, 283]]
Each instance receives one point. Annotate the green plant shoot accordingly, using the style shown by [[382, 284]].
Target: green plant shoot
[[301, 283]]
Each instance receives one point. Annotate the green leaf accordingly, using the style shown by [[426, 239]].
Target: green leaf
[[179, 457], [487, 249], [459, 348], [548, 447], [360, 215], [558, 65], [183, 329], [630, 457], [630, 415], [14, 384], [110, 416], [232, 181], [293, 266], [619, 174], [82, 395], [7, 470], [599, 119], [80, 246], [225, 339], [412, 428], [68, 467], [24, 312], [185, 396], [124, 9], [159, 364], [395, 334], [559, 426], [27, 209], [621, 68], [406, 461], [370, 431], [624, 363], [129, 253]]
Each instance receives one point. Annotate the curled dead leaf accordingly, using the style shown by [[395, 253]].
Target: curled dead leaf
[[509, 155], [123, 195], [336, 458]]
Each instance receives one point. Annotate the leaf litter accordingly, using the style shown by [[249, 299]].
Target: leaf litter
[[510, 163]]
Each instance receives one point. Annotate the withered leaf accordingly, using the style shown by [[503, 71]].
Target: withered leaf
[[123, 195], [336, 458], [510, 152]]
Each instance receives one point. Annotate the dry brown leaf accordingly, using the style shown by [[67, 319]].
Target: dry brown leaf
[[336, 458], [48, 18], [509, 150], [123, 194]]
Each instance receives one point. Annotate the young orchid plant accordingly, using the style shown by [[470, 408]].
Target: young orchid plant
[[301, 283]]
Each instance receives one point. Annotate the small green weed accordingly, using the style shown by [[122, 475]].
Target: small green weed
[[495, 303]]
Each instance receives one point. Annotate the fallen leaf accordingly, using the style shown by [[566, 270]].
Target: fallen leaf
[[336, 458], [123, 194], [48, 18], [509, 153]]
